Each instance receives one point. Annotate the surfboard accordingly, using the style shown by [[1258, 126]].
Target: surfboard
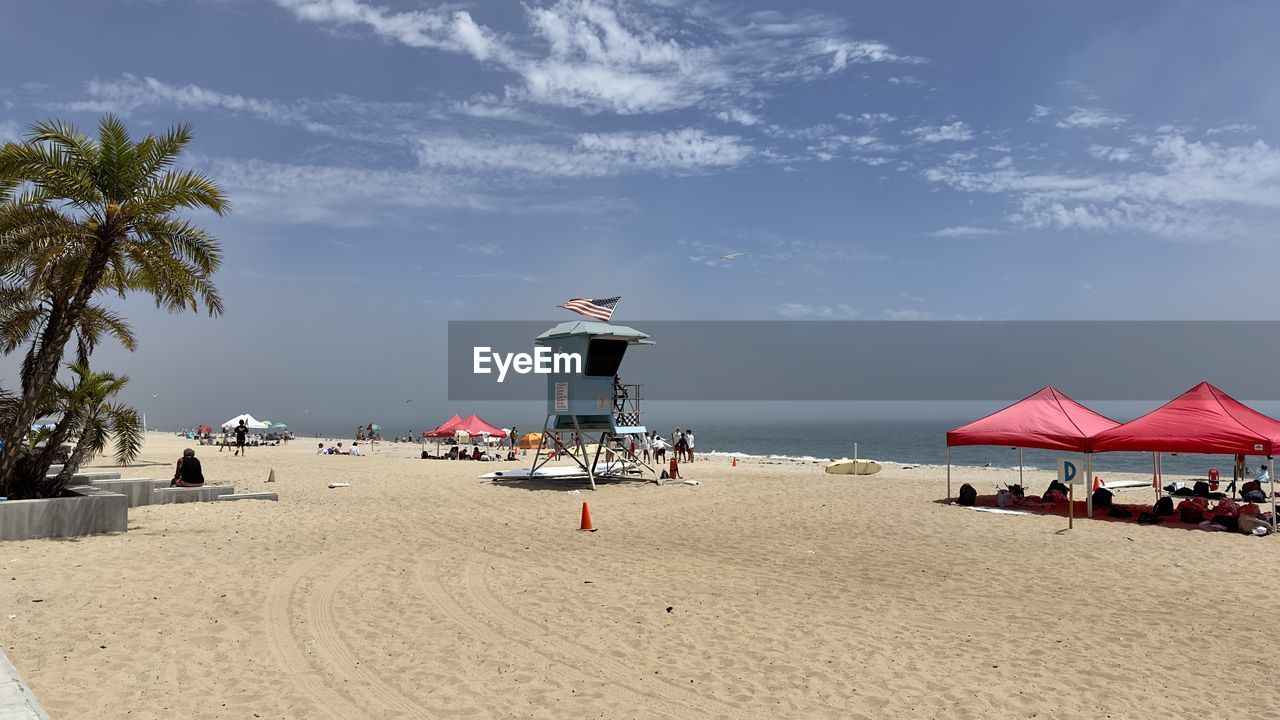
[[861, 466], [558, 473]]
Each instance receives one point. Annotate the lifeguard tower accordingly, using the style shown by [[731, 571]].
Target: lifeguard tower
[[595, 400]]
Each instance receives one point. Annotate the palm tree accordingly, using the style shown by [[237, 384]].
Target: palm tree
[[86, 407], [81, 218]]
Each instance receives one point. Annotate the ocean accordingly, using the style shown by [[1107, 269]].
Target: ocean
[[911, 442]]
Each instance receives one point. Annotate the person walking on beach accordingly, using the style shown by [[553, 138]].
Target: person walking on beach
[[242, 434], [688, 441]]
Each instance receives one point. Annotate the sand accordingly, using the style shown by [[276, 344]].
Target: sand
[[769, 590]]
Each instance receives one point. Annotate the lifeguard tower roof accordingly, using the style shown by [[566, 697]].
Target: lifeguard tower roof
[[596, 329]]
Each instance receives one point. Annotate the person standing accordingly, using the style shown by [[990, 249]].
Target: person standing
[[688, 439], [242, 435], [515, 439], [681, 445], [646, 446]]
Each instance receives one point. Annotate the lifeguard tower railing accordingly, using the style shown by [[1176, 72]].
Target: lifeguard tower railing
[[626, 405]]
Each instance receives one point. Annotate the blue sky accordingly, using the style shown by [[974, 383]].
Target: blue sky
[[392, 165]]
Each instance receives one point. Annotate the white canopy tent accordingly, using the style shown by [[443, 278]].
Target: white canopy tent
[[248, 419]]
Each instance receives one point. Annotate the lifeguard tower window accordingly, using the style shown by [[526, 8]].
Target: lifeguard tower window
[[604, 356]]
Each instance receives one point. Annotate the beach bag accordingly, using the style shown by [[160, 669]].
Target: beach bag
[[1250, 509], [1053, 496], [968, 496], [664, 475], [1056, 486], [1248, 523], [1118, 511], [1005, 499], [1201, 489], [1230, 522], [1190, 512], [1163, 507], [1102, 498], [1227, 507]]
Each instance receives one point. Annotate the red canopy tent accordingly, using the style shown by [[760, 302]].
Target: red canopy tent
[[1048, 420], [472, 425], [1201, 420], [445, 430], [475, 425]]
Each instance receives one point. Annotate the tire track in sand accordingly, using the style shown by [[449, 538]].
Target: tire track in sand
[[568, 658], [321, 615], [288, 650]]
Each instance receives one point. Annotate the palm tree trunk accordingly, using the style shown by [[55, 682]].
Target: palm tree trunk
[[53, 340], [83, 449]]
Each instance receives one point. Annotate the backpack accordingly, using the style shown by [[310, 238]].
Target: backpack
[[968, 496], [1055, 485], [1102, 498], [1201, 489], [1189, 512], [1255, 496], [1117, 511], [664, 475], [1163, 507]]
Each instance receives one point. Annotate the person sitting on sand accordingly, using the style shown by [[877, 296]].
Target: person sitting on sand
[[355, 449], [475, 453], [453, 453], [320, 450], [188, 472]]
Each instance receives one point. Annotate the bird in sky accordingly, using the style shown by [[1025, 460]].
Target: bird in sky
[[732, 255]]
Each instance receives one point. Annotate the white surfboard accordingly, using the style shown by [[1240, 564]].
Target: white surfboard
[[559, 473], [861, 466]]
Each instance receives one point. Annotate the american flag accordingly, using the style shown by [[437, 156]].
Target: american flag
[[599, 309]]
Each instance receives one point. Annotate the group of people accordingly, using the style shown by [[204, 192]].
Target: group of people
[[457, 452], [337, 449]]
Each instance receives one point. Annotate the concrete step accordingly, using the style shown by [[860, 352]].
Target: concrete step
[[174, 495], [251, 496]]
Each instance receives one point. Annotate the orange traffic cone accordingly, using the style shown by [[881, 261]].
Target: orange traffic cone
[[586, 519], [735, 463], [271, 477], [1097, 482]]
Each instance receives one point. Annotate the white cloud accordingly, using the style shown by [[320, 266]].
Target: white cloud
[[800, 311], [130, 93], [590, 155], [327, 194], [965, 231], [9, 131], [1040, 112], [1090, 118], [626, 58], [1106, 152], [739, 116], [1185, 190], [488, 249], [954, 132], [868, 119], [1232, 128]]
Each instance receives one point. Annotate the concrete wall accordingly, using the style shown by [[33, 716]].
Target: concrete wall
[[88, 512], [208, 493], [16, 700], [139, 491]]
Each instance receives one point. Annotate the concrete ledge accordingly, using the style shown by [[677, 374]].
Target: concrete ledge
[[140, 491], [251, 496], [16, 700], [84, 478], [87, 511], [173, 495]]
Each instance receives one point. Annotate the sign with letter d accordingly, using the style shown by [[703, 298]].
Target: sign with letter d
[[1071, 472]]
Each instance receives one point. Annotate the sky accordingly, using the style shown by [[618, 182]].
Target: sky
[[394, 165]]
